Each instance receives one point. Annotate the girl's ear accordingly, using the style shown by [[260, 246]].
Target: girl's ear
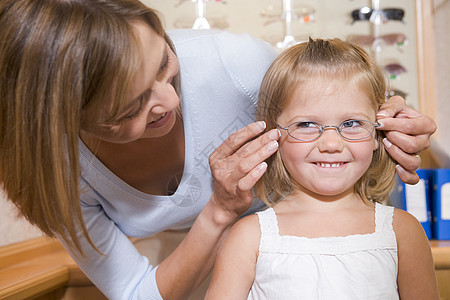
[[375, 144]]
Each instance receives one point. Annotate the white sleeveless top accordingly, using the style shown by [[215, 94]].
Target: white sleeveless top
[[359, 266]]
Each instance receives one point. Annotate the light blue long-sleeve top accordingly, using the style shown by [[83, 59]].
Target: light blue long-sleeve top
[[220, 78]]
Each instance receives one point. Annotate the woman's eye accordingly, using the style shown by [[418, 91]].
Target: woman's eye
[[136, 113]]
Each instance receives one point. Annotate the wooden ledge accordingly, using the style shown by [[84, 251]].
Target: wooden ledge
[[441, 254], [35, 267], [39, 266]]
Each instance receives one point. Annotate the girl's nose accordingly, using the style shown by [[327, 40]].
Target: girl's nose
[[330, 141]]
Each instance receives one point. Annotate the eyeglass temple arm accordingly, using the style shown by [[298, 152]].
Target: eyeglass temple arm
[[279, 126]]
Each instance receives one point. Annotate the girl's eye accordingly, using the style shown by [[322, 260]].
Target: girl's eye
[[306, 125], [351, 124]]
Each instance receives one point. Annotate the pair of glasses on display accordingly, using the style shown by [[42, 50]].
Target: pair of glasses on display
[[301, 13], [394, 70], [200, 21], [386, 14], [350, 130], [394, 92], [289, 14], [397, 39], [182, 1]]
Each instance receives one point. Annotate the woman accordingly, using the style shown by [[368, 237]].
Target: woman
[[90, 111]]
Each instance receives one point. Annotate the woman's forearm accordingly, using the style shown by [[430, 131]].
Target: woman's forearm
[[188, 266]]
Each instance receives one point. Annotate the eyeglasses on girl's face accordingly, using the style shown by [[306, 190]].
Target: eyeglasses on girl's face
[[350, 130]]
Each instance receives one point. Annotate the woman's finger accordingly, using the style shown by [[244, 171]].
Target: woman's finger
[[409, 162], [410, 144], [409, 125], [237, 139], [246, 158], [247, 182], [392, 107], [255, 158], [256, 144], [409, 177]]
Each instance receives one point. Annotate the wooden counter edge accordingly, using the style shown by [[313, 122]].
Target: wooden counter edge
[[64, 272]]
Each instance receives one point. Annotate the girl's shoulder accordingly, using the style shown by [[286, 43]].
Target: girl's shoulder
[[244, 237], [416, 275], [403, 219], [247, 226], [407, 227]]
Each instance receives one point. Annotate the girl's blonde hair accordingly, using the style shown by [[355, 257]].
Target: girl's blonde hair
[[315, 61], [63, 64]]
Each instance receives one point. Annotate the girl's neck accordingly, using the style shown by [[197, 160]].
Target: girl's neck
[[313, 216], [310, 201]]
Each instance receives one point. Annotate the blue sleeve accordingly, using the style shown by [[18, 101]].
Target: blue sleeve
[[246, 59], [237, 57], [122, 272]]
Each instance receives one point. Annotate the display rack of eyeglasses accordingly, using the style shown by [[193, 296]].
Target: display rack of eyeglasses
[[282, 23], [288, 15], [201, 21], [376, 41]]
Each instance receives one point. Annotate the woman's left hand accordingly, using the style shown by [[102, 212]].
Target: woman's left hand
[[407, 133], [237, 164]]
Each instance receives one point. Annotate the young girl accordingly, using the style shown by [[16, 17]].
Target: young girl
[[326, 234]]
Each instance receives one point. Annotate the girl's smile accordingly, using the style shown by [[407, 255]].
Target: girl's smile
[[333, 165]]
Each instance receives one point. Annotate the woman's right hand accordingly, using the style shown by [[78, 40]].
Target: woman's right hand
[[237, 164]]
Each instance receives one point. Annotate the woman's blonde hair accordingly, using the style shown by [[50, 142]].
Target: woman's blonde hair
[[315, 61], [62, 62]]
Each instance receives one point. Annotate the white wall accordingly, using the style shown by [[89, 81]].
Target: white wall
[[14, 229], [442, 58]]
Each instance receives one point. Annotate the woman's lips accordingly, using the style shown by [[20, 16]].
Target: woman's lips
[[161, 121]]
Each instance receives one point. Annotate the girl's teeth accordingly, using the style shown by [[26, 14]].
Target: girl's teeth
[[326, 165]]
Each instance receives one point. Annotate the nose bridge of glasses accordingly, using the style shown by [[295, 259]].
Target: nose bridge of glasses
[[327, 127], [332, 141]]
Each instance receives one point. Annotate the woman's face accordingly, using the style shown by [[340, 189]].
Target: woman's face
[[152, 100]]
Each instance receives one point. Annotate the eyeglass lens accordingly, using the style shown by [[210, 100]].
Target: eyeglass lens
[[394, 70], [350, 130]]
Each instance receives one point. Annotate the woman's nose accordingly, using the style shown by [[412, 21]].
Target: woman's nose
[[172, 96], [166, 98], [330, 140]]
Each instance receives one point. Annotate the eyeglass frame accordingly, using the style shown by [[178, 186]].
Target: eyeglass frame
[[394, 14], [322, 128]]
